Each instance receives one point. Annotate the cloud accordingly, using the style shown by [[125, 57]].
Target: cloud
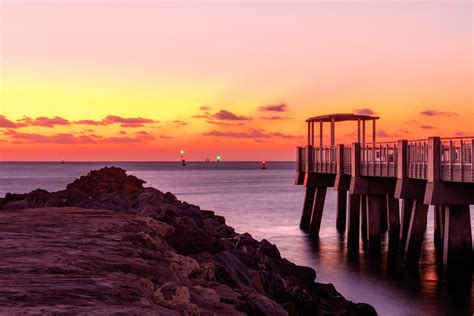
[[44, 121], [62, 138], [69, 138], [229, 116], [282, 107], [6, 123], [223, 123], [404, 131], [203, 116], [437, 113], [180, 123], [90, 122], [275, 118], [383, 134], [165, 137], [251, 133], [428, 127], [128, 122], [204, 108], [131, 122], [462, 133], [411, 122], [364, 111]]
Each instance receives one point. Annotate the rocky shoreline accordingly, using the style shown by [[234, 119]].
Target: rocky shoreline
[[107, 244]]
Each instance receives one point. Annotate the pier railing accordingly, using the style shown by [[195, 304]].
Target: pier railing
[[457, 159], [417, 159], [324, 159], [452, 158], [378, 159]]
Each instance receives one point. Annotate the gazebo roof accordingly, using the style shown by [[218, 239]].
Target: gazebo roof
[[342, 117]]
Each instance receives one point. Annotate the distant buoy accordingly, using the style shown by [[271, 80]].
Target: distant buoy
[[183, 162], [62, 160], [264, 164]]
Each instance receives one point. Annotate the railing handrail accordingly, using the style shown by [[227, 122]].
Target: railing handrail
[[457, 137]]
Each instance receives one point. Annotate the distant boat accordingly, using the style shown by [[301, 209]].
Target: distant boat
[[62, 161]]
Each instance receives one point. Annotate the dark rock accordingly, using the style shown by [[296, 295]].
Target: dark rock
[[107, 180], [193, 240], [151, 251], [268, 249], [16, 205]]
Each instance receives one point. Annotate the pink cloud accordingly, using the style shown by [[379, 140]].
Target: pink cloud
[[275, 118], [45, 121], [282, 107], [364, 111], [229, 116], [90, 122], [223, 123], [251, 133], [6, 123], [437, 113]]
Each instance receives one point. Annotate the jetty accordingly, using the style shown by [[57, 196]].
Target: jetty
[[388, 187]]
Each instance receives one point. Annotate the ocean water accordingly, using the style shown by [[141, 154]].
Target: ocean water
[[268, 205]]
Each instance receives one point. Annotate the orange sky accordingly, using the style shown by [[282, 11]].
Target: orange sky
[[141, 80]]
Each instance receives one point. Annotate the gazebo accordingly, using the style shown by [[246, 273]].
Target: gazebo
[[333, 118]]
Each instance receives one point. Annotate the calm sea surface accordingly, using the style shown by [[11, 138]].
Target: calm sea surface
[[266, 204]]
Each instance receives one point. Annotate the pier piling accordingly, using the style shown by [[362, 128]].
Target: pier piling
[[457, 252], [307, 208], [416, 231], [318, 207], [341, 211], [354, 221]]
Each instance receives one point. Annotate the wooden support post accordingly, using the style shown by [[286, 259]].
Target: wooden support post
[[438, 217], [318, 207], [363, 217], [407, 206], [374, 132], [341, 211], [363, 132], [333, 131], [307, 209], [393, 210], [358, 130], [320, 133], [354, 220], [384, 216], [416, 232], [375, 205], [457, 252]]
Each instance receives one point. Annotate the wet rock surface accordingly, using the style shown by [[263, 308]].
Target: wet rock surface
[[108, 245]]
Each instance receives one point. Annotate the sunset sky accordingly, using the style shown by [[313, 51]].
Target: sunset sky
[[141, 80]]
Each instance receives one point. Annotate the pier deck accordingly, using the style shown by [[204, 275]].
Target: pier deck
[[371, 178]]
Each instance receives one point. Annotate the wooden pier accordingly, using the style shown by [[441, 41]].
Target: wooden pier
[[372, 177]]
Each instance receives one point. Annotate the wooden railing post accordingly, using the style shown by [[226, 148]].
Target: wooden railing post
[[434, 159], [299, 156], [402, 159], [309, 159], [340, 159], [355, 160]]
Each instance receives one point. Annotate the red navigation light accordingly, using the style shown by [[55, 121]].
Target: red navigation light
[[264, 162]]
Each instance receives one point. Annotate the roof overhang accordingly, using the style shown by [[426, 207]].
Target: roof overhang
[[341, 117]]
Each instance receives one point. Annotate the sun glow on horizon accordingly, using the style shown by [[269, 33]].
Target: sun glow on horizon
[[142, 80]]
